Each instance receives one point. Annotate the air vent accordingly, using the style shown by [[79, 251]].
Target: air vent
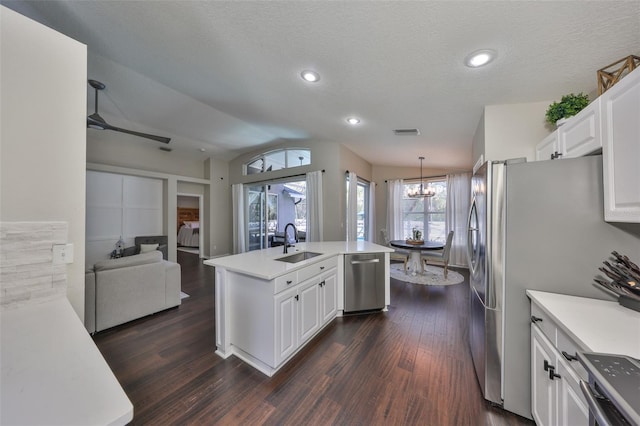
[[164, 148], [406, 132]]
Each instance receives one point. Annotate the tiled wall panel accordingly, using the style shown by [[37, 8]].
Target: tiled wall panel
[[27, 272]]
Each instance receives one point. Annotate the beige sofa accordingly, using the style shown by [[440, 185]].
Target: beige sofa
[[124, 289]]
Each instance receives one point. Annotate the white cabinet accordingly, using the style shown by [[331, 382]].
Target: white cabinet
[[309, 309], [302, 311], [546, 150], [286, 313], [621, 149], [543, 390], [556, 398], [269, 321], [579, 136], [329, 298]]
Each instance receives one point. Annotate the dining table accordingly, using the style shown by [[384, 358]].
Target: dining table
[[414, 251]]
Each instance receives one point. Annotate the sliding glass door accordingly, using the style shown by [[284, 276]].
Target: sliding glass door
[[270, 206]]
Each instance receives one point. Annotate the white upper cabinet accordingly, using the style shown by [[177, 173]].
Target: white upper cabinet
[[621, 149], [579, 136], [546, 150]]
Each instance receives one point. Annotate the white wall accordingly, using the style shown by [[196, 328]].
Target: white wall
[[120, 206], [217, 200], [511, 131], [187, 201], [43, 133], [119, 149]]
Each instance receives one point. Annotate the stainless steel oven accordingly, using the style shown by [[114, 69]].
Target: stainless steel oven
[[613, 390]]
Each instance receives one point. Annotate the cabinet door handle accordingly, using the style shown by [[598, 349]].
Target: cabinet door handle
[[289, 282], [552, 373], [321, 268], [569, 357], [297, 297], [547, 366], [321, 284], [535, 319]]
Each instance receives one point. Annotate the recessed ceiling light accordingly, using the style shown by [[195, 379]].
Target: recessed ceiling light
[[202, 150], [480, 58], [310, 76], [353, 120]]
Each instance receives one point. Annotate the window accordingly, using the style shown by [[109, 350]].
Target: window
[[426, 214], [362, 208], [278, 160]]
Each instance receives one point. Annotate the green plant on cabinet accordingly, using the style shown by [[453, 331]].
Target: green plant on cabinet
[[568, 106]]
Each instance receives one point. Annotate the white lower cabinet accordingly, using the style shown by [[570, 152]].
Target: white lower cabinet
[[301, 311], [556, 398], [309, 309], [286, 313], [543, 390], [329, 298]]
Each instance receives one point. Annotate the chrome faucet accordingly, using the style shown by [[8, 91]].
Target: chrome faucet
[[286, 237]]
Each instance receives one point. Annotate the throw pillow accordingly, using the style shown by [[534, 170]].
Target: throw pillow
[[145, 248]]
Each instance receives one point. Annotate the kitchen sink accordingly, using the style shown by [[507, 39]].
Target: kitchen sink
[[298, 257]]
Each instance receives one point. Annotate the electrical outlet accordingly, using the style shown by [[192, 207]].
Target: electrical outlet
[[62, 253]]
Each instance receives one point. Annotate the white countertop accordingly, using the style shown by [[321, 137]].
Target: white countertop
[[600, 325], [261, 263], [52, 373]]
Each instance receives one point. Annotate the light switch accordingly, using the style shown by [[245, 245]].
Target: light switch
[[62, 253]]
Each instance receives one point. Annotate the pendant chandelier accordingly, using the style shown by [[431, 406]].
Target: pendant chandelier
[[422, 192]]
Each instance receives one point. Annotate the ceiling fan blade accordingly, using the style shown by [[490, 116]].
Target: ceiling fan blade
[[95, 121], [142, 135]]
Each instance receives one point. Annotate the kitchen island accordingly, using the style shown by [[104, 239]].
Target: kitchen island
[[267, 309]]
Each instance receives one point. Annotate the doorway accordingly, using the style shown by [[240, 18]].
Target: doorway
[[189, 229]]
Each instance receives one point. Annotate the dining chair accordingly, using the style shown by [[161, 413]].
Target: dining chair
[[397, 254], [439, 255]]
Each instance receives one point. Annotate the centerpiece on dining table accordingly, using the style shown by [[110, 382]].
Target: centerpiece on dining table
[[416, 237]]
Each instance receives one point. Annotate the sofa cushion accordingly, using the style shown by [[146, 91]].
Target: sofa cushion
[[138, 259], [146, 248]]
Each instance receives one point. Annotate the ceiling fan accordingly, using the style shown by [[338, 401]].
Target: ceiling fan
[[94, 121]]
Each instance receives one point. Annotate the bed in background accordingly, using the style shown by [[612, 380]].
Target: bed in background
[[189, 234], [188, 227]]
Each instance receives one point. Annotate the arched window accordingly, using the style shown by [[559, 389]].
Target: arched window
[[277, 160]]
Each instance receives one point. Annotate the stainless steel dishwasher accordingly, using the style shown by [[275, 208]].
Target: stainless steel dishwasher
[[363, 282]]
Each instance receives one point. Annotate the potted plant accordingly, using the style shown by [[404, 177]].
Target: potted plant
[[568, 106]]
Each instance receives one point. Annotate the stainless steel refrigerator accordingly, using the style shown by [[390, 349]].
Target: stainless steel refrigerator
[[537, 225]]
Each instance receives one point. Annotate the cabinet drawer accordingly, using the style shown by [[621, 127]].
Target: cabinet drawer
[[285, 281], [316, 269], [544, 322], [567, 345]]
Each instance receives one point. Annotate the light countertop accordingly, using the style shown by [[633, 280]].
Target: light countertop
[[262, 263], [600, 325], [52, 373]]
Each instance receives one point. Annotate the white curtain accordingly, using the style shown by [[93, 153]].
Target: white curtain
[[372, 213], [352, 207], [458, 201], [237, 198], [394, 209], [314, 206]]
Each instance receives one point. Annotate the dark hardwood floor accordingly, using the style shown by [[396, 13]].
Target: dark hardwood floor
[[410, 365]]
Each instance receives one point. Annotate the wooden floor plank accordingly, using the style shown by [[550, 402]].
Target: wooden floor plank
[[408, 366]]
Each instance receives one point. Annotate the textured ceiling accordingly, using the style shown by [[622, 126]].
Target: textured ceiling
[[224, 75]]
